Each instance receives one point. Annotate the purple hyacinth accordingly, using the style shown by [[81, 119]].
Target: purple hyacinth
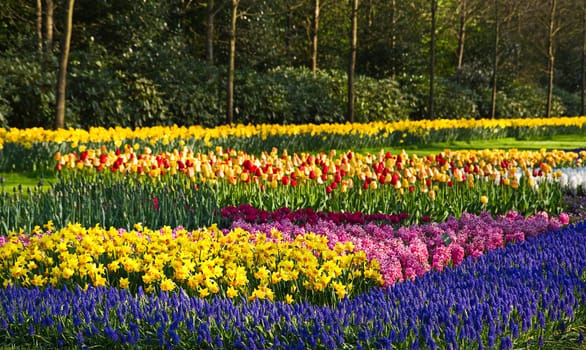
[[495, 292]]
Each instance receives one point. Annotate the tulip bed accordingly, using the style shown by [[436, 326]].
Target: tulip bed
[[32, 149], [151, 242]]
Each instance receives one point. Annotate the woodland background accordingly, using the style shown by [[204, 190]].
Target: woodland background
[[163, 62]]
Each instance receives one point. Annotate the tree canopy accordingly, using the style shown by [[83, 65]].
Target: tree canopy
[[153, 62]]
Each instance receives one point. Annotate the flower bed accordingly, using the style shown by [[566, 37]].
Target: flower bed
[[31, 149], [205, 262], [507, 298], [405, 252], [466, 250]]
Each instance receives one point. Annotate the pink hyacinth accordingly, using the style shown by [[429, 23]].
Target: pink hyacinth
[[408, 252]]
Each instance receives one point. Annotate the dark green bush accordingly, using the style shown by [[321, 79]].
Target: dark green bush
[[105, 90], [194, 93], [380, 100], [310, 98], [258, 98], [520, 101], [321, 97], [27, 97], [571, 102], [452, 100]]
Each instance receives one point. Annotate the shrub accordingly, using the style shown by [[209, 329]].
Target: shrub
[[380, 100], [321, 97], [519, 101], [311, 98], [451, 99], [258, 98], [27, 94]]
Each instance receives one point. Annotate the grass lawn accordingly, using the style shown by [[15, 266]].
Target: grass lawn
[[559, 142], [11, 181]]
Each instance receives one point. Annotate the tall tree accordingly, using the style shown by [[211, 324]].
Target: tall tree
[[288, 35], [504, 14], [463, 16], [63, 62], [432, 60], [552, 30], [231, 62], [189, 10], [495, 57], [290, 23], [392, 38], [314, 34], [583, 57], [466, 10], [49, 25], [40, 25], [210, 15], [212, 10], [541, 27], [352, 64]]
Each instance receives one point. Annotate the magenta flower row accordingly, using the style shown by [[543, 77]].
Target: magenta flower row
[[405, 253]]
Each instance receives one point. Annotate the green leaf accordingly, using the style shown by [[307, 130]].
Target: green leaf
[[447, 239]]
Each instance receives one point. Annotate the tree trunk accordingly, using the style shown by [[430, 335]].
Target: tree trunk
[[550, 57], [495, 60], [40, 25], [210, 32], [431, 115], [370, 11], [231, 65], [288, 24], [352, 65], [583, 72], [393, 38], [461, 38], [517, 51], [49, 25], [314, 36], [62, 74]]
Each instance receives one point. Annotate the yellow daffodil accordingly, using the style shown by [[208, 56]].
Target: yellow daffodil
[[124, 283]]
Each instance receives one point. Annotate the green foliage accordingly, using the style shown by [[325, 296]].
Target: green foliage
[[5, 108], [311, 98], [452, 100], [18, 157], [570, 101], [27, 97], [518, 101], [145, 104], [139, 63], [124, 27], [193, 91], [321, 97], [109, 202], [91, 198], [258, 98], [455, 101], [380, 100], [97, 92], [104, 96]]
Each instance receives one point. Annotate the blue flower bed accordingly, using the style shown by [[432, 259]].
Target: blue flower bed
[[504, 299]]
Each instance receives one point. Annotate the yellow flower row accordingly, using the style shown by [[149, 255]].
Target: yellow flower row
[[165, 134], [203, 262], [333, 169]]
